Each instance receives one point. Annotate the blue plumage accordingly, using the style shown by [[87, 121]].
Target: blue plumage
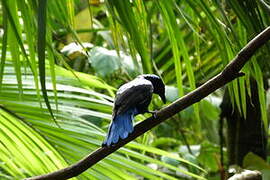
[[131, 99], [120, 127]]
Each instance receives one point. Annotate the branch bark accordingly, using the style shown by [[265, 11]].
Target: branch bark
[[230, 72]]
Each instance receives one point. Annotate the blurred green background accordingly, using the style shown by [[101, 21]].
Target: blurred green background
[[62, 61]]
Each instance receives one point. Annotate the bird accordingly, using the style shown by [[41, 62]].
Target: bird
[[131, 99]]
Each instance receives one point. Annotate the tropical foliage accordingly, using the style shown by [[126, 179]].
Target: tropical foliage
[[62, 61]]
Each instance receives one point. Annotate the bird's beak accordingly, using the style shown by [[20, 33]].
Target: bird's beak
[[163, 98]]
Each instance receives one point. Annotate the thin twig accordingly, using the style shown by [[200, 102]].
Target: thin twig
[[230, 72]]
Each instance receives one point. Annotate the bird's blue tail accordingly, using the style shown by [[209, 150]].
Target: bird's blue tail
[[120, 127]]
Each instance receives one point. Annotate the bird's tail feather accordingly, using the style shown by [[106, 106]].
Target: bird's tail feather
[[120, 127]]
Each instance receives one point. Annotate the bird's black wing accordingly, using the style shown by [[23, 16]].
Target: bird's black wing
[[135, 93]]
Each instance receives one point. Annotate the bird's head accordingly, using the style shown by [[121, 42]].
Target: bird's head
[[159, 87]]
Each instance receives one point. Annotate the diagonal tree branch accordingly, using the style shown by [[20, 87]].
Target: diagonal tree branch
[[230, 72]]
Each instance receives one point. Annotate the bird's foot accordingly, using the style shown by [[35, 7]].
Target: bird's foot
[[154, 113]]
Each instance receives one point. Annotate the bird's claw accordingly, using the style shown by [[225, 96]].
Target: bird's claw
[[154, 113]]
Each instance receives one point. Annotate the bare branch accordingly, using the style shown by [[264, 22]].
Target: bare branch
[[230, 72]]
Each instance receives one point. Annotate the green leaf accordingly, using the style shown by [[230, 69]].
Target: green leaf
[[4, 47], [22, 144], [106, 62], [255, 162], [13, 38], [123, 11], [41, 44], [208, 156]]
